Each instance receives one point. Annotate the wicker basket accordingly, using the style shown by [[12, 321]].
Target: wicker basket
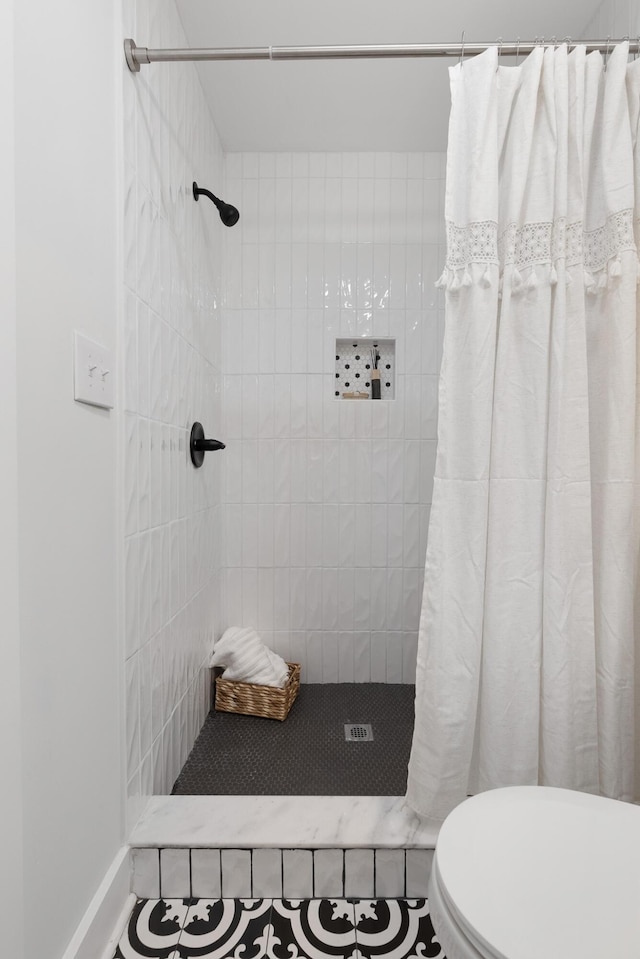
[[253, 700]]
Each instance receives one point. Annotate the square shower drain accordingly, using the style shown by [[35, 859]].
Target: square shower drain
[[358, 732]]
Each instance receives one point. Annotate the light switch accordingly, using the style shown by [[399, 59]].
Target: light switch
[[94, 375]]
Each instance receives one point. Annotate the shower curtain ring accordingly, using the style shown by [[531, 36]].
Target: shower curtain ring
[[567, 40], [517, 50], [460, 62], [606, 54], [499, 41]]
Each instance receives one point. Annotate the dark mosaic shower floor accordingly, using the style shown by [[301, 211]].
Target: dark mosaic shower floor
[[306, 755]]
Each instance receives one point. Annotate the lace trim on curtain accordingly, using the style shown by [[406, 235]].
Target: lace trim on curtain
[[535, 249]]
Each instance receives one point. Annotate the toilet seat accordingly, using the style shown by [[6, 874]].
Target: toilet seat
[[533, 872]]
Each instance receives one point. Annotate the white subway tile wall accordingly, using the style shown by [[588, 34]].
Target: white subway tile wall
[[171, 375], [327, 501]]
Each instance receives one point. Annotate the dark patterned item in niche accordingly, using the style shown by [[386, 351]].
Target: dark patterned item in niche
[[353, 365], [279, 929]]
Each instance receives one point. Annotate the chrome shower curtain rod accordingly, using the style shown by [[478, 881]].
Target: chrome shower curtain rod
[[136, 56]]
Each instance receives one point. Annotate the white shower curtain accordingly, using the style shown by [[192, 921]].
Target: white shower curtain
[[528, 626]]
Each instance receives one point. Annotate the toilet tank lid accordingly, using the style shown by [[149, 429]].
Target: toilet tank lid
[[523, 867]]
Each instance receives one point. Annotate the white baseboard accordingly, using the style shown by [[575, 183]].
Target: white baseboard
[[102, 924]]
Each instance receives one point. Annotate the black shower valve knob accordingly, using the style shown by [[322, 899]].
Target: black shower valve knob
[[198, 445]]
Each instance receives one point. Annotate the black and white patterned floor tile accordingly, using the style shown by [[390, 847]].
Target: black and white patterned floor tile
[[312, 929], [153, 930], [395, 929], [222, 928], [279, 929]]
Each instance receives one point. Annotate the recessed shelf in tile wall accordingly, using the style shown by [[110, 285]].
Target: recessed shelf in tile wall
[[354, 361]]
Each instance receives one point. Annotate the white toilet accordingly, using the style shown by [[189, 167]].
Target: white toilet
[[531, 872]]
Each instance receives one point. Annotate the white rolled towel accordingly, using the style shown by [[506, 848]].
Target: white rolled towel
[[247, 660]]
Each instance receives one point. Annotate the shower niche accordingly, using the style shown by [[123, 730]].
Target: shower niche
[[355, 363]]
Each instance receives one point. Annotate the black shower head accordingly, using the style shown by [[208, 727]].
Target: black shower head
[[228, 214]]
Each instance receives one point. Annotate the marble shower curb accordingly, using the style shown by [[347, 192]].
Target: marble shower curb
[[292, 846]]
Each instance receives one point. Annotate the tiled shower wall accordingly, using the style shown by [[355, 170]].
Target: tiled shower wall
[[327, 500], [170, 361]]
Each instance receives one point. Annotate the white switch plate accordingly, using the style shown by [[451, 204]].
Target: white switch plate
[[94, 376]]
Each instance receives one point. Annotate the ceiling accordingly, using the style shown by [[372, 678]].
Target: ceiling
[[334, 105]]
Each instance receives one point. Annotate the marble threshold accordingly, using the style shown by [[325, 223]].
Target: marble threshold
[[282, 822]]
